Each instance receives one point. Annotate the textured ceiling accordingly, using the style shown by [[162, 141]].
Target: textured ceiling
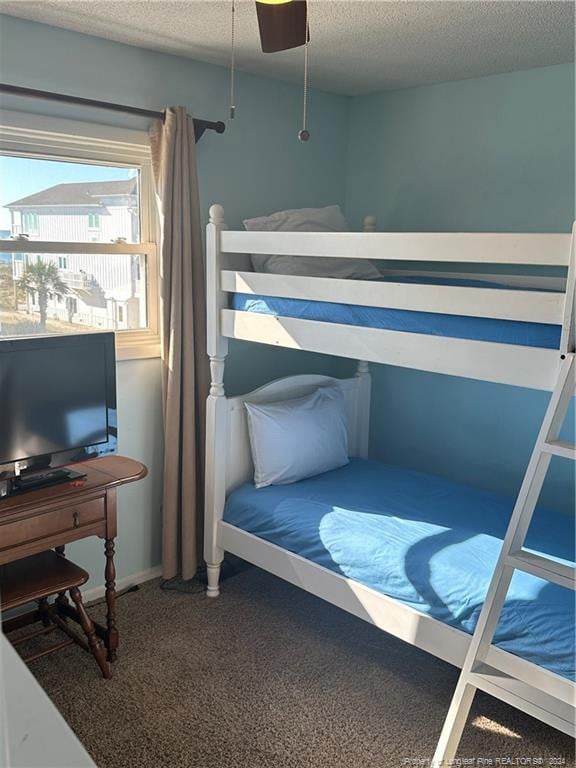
[[356, 46]]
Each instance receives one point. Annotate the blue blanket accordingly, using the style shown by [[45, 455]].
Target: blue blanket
[[436, 324], [425, 541]]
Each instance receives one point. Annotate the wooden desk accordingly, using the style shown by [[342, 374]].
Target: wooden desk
[[52, 517]]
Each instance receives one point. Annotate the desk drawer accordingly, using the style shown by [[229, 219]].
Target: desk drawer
[[62, 520]]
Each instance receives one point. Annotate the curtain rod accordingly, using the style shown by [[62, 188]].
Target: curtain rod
[[199, 125]]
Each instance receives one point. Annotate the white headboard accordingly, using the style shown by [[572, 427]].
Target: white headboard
[[239, 467]]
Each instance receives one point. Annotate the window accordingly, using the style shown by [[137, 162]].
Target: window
[[29, 221], [68, 277]]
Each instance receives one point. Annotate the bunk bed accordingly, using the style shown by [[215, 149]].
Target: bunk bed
[[515, 329]]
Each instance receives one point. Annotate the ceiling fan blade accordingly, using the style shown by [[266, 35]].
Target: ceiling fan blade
[[283, 25]]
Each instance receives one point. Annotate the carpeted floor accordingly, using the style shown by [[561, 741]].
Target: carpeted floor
[[268, 676]]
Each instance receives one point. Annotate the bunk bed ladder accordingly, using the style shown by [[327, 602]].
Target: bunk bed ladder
[[542, 694]]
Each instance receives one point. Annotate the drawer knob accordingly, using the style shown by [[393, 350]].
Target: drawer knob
[[76, 518]]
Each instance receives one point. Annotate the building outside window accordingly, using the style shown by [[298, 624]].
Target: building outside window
[[67, 267]]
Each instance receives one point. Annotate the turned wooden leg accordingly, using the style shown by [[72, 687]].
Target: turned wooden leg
[[88, 626], [62, 603], [110, 576], [43, 610]]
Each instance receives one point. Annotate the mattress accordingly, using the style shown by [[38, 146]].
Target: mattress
[[457, 326], [425, 541]]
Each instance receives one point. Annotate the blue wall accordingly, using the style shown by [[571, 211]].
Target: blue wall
[[492, 154], [496, 153], [257, 166], [489, 154]]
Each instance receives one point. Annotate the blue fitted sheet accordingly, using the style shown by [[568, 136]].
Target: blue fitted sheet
[[456, 326], [426, 541]]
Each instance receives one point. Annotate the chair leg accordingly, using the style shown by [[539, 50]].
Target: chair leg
[[43, 610], [88, 626], [62, 603]]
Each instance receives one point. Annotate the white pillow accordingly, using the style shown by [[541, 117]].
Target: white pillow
[[299, 438], [328, 219]]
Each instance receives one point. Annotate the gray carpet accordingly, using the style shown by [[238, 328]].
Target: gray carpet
[[268, 676]]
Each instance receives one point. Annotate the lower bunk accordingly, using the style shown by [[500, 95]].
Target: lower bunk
[[412, 553]]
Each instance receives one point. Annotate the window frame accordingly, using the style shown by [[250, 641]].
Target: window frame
[[95, 216], [49, 138], [24, 216]]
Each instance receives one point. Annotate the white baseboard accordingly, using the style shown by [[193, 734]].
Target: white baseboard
[[96, 593]]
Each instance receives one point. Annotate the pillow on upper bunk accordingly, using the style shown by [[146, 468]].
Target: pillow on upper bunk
[[299, 438], [329, 219]]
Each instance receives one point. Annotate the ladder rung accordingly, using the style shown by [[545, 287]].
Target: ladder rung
[[561, 448], [523, 685], [527, 698], [532, 674], [543, 567]]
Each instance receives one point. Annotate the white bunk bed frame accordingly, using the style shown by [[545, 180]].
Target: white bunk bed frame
[[228, 456]]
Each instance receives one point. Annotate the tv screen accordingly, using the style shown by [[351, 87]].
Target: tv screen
[[57, 399]]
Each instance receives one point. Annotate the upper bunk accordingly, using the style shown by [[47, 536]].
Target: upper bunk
[[437, 308]]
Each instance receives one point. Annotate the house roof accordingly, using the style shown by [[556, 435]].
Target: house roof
[[77, 193], [89, 297]]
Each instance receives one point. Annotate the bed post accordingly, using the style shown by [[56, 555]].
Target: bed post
[[216, 408], [567, 339], [363, 412]]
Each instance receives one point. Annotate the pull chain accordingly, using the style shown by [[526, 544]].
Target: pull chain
[[304, 134], [233, 62]]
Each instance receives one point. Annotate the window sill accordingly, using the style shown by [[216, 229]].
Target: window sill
[[137, 346]]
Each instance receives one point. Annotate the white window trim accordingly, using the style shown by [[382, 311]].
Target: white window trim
[[24, 217], [46, 137]]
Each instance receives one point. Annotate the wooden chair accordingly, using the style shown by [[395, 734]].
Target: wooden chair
[[35, 579]]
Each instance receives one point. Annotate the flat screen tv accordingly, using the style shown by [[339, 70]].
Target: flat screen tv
[[57, 405]]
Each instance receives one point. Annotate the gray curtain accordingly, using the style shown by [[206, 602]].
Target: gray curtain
[[183, 341]]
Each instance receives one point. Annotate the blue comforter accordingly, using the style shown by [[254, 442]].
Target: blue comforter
[[436, 324], [423, 540]]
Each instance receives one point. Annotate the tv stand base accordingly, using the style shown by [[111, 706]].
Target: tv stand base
[[24, 483]]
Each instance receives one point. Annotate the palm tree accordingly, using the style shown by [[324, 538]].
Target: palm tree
[[43, 277]]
